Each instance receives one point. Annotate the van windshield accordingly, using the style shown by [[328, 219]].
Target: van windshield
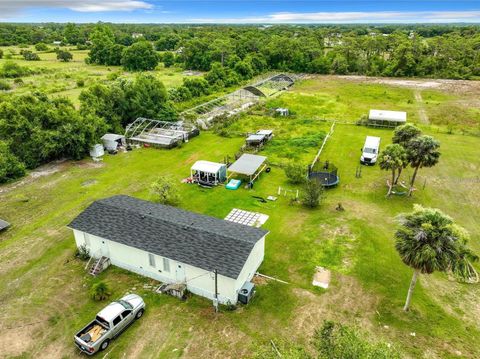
[[369, 150]]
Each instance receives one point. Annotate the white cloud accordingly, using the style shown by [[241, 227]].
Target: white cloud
[[13, 7], [355, 17]]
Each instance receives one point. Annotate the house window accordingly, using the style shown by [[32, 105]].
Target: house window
[[151, 259], [166, 265]]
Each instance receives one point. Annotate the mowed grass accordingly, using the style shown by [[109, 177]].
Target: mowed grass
[[44, 290], [61, 79]]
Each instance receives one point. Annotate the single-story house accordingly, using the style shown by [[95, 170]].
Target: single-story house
[[384, 118], [111, 141], [172, 245], [3, 225], [208, 173]]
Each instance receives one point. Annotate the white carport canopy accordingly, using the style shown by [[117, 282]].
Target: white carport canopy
[[247, 164], [384, 115], [207, 166]]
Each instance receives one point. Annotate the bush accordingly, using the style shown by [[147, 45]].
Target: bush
[[4, 86], [295, 173], [18, 81], [64, 56], [80, 83], [10, 167], [30, 56], [1, 54], [12, 69], [312, 194], [100, 291], [168, 59], [165, 190], [82, 252], [41, 47]]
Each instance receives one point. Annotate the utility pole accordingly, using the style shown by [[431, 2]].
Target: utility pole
[[215, 301]]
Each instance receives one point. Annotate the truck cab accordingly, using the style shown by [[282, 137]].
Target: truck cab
[[370, 150]]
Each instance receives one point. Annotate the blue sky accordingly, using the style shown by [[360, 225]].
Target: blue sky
[[239, 11]]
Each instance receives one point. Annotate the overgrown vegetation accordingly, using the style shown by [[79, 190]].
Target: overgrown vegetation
[[165, 191]]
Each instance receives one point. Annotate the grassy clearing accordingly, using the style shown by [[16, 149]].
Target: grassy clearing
[[60, 79], [46, 290]]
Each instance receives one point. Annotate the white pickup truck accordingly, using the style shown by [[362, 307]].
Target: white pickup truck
[[109, 323]]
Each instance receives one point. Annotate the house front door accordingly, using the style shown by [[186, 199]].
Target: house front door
[[180, 273]]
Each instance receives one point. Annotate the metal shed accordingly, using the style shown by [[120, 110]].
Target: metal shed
[[111, 141], [384, 118]]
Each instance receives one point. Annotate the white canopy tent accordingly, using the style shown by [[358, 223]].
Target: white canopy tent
[[387, 118], [210, 173]]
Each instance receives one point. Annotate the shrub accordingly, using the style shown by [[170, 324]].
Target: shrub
[[82, 252], [4, 86], [312, 194], [30, 56], [1, 54], [10, 167], [41, 47], [100, 291], [18, 81], [166, 191], [80, 83], [295, 173], [64, 56], [12, 70]]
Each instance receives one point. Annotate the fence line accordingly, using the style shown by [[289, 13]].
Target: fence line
[[323, 144]]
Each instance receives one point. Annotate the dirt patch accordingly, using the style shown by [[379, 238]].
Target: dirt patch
[[16, 340], [42, 171], [340, 303], [451, 86]]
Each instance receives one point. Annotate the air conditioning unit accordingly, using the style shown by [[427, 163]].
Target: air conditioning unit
[[246, 293]]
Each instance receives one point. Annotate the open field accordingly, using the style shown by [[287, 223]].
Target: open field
[[44, 290], [60, 79]]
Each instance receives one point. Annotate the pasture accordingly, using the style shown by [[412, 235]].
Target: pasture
[[58, 78], [44, 290]]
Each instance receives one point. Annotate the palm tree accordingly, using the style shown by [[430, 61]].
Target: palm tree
[[429, 241], [393, 158], [422, 151], [402, 135]]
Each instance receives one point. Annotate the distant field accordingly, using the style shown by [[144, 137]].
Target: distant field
[[60, 79], [452, 105], [43, 287]]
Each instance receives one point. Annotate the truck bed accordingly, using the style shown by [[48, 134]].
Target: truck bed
[[92, 332]]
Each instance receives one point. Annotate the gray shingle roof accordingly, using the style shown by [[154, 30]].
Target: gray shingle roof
[[201, 241]]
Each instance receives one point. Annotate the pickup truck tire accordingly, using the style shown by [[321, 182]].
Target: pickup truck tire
[[139, 314], [105, 344]]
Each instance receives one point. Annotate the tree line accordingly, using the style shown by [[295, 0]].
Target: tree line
[[447, 51]]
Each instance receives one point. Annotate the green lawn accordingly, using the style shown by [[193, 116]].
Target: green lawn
[[44, 290]]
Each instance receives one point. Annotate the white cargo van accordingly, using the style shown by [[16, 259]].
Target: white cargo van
[[370, 150]]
